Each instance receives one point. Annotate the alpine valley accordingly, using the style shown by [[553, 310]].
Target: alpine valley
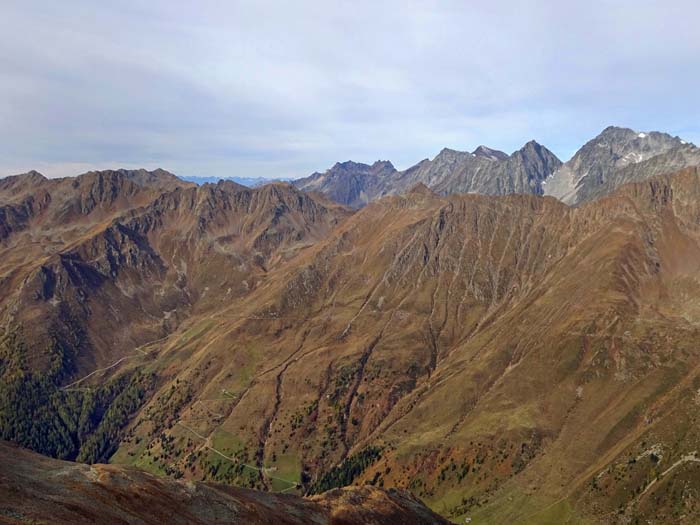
[[503, 338]]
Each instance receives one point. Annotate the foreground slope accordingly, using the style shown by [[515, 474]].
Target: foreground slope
[[40, 490]]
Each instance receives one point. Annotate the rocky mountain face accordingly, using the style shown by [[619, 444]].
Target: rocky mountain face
[[36, 489], [615, 157], [608, 161], [672, 160], [486, 171], [351, 183], [505, 358]]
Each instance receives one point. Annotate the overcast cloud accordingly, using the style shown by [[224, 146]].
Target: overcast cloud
[[286, 88]]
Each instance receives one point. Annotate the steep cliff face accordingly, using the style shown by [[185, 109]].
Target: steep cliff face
[[17, 216]]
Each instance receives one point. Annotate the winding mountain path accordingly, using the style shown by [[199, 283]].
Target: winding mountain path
[[263, 471]]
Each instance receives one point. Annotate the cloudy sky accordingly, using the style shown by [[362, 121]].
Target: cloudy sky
[[283, 89]]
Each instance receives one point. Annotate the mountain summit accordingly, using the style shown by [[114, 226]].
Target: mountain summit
[[492, 154]]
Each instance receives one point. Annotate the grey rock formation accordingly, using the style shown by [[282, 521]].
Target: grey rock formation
[[461, 172], [351, 183], [616, 156], [673, 160], [486, 171]]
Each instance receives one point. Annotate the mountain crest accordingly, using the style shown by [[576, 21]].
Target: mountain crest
[[384, 165]]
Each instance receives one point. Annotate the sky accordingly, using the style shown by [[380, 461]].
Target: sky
[[283, 89]]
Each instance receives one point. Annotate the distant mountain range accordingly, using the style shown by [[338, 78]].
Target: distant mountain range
[[485, 171], [616, 156], [249, 182]]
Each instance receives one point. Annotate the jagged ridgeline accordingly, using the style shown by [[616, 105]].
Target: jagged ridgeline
[[506, 357], [616, 156]]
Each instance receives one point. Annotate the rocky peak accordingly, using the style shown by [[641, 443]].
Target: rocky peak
[[350, 183], [621, 146], [379, 167], [451, 154], [15, 184], [532, 146], [489, 153], [348, 165], [229, 185], [383, 167], [32, 175], [596, 163]]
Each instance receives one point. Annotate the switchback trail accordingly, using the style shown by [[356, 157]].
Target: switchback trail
[[263, 471]]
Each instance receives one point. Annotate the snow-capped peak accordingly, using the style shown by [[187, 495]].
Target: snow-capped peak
[[641, 135]]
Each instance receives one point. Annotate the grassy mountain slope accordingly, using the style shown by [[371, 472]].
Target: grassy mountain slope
[[509, 359]]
